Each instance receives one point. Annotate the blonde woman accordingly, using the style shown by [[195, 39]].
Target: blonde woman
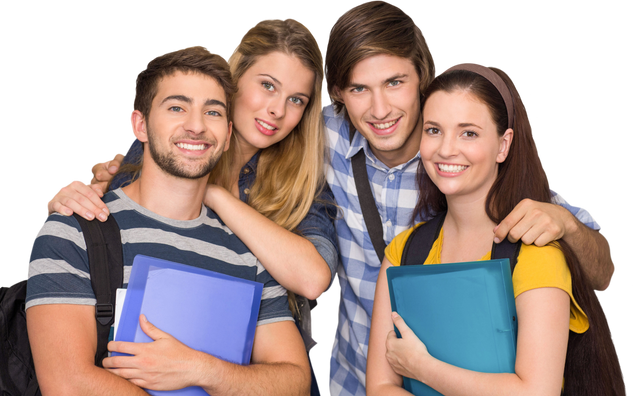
[[269, 186]]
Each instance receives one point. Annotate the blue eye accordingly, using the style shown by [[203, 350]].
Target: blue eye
[[394, 83], [175, 109], [358, 89], [296, 100], [213, 113]]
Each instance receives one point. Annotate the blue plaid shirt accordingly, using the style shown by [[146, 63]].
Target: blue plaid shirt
[[396, 194]]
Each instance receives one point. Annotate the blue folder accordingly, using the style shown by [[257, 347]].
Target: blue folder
[[464, 313], [205, 310]]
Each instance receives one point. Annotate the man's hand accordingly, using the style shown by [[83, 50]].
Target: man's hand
[[103, 172], [536, 223], [164, 364]]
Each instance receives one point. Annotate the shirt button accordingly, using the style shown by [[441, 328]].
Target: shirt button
[[392, 176], [246, 191], [388, 223], [246, 170]]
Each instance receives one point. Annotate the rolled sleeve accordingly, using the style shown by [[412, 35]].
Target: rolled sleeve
[[582, 213]]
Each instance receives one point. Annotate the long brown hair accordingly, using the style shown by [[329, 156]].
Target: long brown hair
[[591, 366]]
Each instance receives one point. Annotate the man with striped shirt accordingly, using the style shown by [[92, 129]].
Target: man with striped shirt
[[181, 116]]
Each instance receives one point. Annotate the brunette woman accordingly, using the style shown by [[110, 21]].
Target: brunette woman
[[478, 161]]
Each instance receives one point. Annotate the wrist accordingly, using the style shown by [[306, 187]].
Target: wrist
[[205, 373], [571, 225]]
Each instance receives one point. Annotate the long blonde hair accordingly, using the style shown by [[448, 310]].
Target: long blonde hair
[[290, 172]]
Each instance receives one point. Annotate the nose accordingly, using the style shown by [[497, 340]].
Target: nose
[[448, 146], [276, 107], [195, 123], [380, 106]]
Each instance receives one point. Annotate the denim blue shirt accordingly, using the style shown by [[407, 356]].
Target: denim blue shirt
[[317, 226]]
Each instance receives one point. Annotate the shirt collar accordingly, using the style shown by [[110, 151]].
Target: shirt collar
[[253, 162]]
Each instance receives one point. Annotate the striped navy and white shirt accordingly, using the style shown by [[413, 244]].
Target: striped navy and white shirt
[[395, 193], [59, 269]]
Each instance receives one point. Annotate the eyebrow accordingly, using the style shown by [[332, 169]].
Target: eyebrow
[[386, 81], [182, 98], [280, 84], [461, 125]]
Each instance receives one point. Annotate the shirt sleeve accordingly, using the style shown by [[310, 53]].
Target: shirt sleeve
[[393, 251], [579, 213], [274, 305], [134, 156], [59, 267], [546, 266], [317, 226]]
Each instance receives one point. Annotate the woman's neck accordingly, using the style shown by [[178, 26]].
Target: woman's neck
[[467, 229]]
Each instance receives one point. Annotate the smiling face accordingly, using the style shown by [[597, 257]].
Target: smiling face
[[460, 146], [383, 103], [272, 96], [187, 128]]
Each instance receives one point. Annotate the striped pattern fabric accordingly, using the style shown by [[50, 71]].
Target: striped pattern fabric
[[59, 270]]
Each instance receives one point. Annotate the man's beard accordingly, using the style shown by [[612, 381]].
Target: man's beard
[[170, 164]]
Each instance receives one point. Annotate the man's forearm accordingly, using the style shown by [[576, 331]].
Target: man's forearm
[[89, 381], [220, 377], [592, 249]]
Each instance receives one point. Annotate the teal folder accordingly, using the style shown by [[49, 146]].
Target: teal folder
[[464, 313], [205, 310]]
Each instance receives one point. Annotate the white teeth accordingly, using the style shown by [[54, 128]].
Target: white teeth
[[267, 126], [193, 147], [385, 125], [452, 168]]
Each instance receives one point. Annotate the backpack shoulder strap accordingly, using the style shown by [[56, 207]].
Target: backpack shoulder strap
[[367, 203], [104, 248], [506, 249], [419, 243]]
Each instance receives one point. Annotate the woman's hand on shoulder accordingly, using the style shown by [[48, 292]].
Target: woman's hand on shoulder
[[104, 171], [81, 199]]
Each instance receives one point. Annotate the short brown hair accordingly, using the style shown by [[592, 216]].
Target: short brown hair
[[188, 60], [374, 28]]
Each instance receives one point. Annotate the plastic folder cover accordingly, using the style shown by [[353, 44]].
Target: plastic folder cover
[[464, 313], [208, 311]]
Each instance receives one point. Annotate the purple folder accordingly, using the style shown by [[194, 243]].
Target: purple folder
[[205, 310]]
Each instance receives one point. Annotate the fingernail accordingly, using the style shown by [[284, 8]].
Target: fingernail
[[496, 240], [113, 169], [89, 216], [394, 315], [102, 216], [105, 210], [144, 317]]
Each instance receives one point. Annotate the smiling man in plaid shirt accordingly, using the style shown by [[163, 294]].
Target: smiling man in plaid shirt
[[377, 65]]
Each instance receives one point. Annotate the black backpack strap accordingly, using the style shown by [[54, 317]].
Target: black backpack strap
[[419, 243], [367, 203], [104, 248], [506, 249]]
